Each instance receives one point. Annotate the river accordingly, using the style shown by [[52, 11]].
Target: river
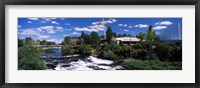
[[77, 62]]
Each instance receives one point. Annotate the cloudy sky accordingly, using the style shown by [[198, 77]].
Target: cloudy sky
[[55, 29]]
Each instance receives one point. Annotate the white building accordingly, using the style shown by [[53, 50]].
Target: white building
[[125, 40]]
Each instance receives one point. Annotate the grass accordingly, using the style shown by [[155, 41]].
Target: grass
[[133, 64]]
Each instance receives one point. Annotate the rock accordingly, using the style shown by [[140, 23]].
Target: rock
[[66, 65], [96, 67]]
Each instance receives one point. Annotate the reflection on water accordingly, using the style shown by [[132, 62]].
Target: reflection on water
[[53, 52], [77, 62]]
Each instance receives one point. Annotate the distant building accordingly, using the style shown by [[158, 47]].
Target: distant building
[[172, 32], [124, 40]]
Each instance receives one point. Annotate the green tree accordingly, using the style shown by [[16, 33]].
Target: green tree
[[119, 35], [109, 34], [28, 41], [163, 51], [80, 41], [67, 50], [109, 55], [94, 38], [29, 57], [85, 37], [114, 34], [150, 38], [151, 35], [141, 36], [124, 35], [82, 34], [85, 50], [20, 43], [67, 40]]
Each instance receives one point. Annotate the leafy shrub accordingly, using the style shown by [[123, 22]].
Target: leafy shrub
[[140, 53], [109, 55], [138, 46], [66, 50], [121, 51], [176, 55], [29, 58], [133, 64], [151, 56], [163, 51], [85, 49]]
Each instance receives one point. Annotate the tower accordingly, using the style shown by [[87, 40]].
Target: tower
[[103, 23]]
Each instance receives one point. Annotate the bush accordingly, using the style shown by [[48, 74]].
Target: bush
[[132, 64], [29, 58], [177, 55], [163, 51], [109, 55], [140, 53], [121, 51], [66, 50], [85, 49], [138, 46]]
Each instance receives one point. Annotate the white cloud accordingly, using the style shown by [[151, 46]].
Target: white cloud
[[30, 32], [85, 29], [54, 22], [29, 22], [95, 23], [57, 41], [19, 26], [60, 29], [114, 20], [164, 23], [49, 29], [33, 32], [33, 18], [130, 26], [62, 18], [45, 20], [75, 33], [97, 27], [126, 30], [104, 22], [53, 18], [122, 25], [44, 36], [141, 26], [159, 27]]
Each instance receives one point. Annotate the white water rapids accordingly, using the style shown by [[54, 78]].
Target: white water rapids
[[93, 64]]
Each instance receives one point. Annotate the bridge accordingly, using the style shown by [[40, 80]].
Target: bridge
[[49, 45], [56, 57], [44, 47]]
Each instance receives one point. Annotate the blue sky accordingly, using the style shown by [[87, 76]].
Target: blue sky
[[55, 29]]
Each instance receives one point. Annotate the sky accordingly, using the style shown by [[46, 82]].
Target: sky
[[55, 29]]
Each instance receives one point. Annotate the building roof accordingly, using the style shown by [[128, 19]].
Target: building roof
[[126, 39]]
